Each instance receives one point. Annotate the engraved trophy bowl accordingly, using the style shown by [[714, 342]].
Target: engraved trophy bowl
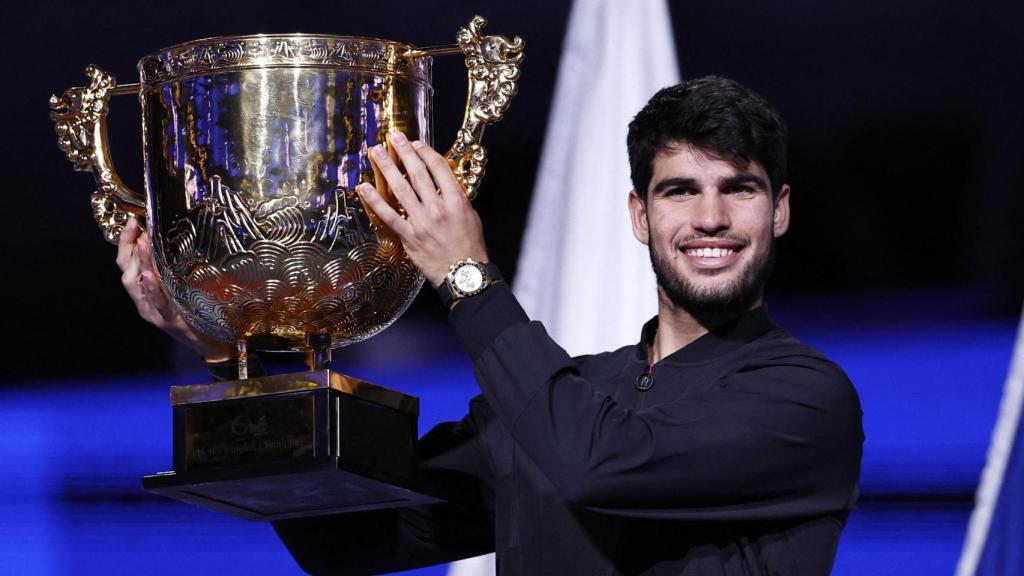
[[253, 148]]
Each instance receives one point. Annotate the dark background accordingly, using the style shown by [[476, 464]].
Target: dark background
[[906, 147], [902, 262]]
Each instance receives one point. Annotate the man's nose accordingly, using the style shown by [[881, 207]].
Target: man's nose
[[712, 213]]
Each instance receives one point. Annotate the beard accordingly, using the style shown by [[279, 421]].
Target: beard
[[722, 299]]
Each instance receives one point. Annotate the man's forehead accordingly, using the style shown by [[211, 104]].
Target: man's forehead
[[682, 159], [698, 155]]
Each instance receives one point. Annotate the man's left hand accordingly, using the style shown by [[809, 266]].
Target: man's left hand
[[440, 226]]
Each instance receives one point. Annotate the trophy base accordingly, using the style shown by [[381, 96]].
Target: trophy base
[[292, 445], [280, 491]]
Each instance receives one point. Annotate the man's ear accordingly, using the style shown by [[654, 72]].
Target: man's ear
[[638, 216], [780, 217]]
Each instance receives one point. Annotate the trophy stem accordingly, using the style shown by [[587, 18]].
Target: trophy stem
[[318, 350], [243, 360]]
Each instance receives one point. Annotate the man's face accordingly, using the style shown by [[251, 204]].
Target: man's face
[[710, 229]]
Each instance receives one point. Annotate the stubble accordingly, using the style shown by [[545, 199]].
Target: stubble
[[737, 295]]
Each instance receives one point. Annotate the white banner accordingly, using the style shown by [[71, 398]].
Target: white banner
[[992, 546], [581, 272]]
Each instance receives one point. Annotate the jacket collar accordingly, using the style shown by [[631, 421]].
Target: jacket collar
[[726, 338]]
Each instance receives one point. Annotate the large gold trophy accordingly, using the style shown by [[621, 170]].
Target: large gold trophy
[[253, 148]]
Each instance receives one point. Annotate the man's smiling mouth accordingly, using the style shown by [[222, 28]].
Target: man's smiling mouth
[[710, 252]]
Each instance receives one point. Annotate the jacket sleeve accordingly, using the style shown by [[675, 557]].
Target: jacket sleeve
[[378, 541], [779, 437]]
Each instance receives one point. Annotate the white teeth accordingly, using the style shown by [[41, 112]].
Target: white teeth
[[709, 252]]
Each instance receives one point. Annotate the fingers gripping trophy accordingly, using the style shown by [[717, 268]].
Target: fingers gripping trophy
[[254, 147]]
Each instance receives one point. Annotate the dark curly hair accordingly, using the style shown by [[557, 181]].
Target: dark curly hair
[[714, 114]]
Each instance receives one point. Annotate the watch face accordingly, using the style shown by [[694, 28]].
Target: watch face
[[468, 278]]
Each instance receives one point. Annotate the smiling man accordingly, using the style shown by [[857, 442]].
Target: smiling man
[[708, 166], [717, 444]]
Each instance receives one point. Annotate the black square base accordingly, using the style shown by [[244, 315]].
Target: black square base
[[292, 445]]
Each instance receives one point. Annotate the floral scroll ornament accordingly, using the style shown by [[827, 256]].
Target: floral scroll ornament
[[493, 63], [79, 118]]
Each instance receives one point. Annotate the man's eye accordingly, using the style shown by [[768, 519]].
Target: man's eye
[[740, 190], [679, 192]]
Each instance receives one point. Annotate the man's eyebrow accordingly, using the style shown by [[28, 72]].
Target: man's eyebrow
[[678, 181], [743, 178]]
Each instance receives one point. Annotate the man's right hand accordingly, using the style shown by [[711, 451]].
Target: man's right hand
[[142, 282]]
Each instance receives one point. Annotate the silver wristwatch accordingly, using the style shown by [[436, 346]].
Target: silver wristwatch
[[466, 278]]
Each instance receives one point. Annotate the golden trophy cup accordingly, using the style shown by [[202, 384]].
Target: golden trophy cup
[[253, 148]]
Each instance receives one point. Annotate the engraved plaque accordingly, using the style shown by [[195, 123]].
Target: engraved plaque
[[258, 430]]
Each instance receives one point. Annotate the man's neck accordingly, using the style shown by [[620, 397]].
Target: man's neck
[[678, 327]]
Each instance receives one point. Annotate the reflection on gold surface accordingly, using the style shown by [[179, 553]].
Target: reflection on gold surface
[[254, 146]]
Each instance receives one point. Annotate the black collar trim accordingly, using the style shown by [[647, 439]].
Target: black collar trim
[[728, 337]]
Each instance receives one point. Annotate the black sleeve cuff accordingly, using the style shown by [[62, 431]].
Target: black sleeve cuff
[[478, 320], [228, 369]]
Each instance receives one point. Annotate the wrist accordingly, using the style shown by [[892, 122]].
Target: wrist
[[466, 278], [439, 276], [216, 357], [214, 351]]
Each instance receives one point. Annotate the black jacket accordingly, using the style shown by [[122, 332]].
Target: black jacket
[[740, 457]]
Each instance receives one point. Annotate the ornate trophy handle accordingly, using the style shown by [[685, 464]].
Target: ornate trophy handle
[[80, 120], [493, 66]]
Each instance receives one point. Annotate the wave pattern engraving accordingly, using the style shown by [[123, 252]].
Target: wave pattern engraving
[[271, 272]]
